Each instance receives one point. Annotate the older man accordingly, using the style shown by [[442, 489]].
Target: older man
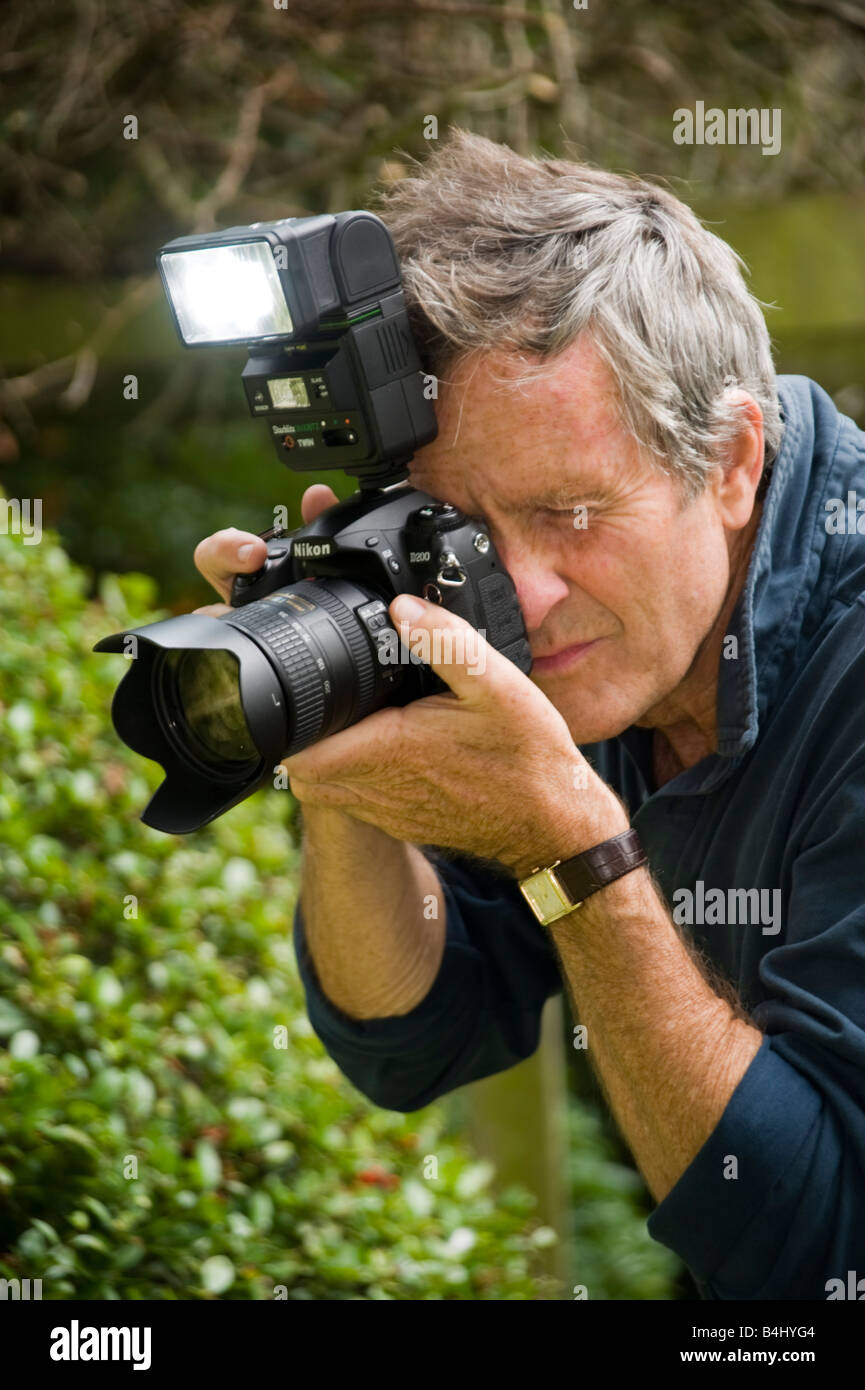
[[609, 404]]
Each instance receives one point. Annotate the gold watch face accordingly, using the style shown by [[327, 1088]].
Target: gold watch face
[[547, 898]]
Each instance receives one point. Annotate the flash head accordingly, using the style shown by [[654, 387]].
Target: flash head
[[225, 294], [277, 281]]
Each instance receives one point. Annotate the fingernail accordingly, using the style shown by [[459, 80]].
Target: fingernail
[[244, 551], [408, 607]]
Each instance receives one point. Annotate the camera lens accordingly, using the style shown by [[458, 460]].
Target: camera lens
[[218, 702]]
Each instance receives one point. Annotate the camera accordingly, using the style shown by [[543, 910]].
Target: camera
[[309, 647]]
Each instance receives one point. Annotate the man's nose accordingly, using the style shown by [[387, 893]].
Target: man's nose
[[539, 587]]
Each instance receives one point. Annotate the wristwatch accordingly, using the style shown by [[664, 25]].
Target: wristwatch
[[554, 892]]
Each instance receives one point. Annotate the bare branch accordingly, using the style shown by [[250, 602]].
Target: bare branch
[[242, 151], [75, 71], [847, 14]]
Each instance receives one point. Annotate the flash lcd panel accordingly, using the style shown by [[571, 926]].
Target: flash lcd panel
[[288, 392]]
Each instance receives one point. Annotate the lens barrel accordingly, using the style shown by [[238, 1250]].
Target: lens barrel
[[322, 652]]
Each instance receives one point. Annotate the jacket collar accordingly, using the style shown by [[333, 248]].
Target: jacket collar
[[789, 582]]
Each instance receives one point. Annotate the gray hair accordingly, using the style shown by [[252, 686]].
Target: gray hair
[[502, 252]]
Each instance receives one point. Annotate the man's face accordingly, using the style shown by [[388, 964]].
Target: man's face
[[615, 611]]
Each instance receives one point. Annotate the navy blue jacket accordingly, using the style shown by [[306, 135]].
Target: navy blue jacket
[[779, 808]]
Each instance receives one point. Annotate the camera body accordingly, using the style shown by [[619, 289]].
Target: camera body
[[399, 541]]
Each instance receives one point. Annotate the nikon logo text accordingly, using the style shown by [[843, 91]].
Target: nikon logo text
[[310, 550], [76, 1343]]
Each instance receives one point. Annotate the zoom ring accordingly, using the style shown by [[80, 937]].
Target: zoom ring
[[361, 653], [306, 680]]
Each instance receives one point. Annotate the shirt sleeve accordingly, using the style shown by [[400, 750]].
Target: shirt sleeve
[[481, 1015], [773, 1205]]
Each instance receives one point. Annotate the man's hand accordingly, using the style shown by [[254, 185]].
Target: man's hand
[[488, 768], [227, 553]]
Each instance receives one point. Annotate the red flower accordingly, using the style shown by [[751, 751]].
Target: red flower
[[376, 1176]]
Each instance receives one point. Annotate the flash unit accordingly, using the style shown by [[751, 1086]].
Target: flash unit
[[318, 302], [275, 280]]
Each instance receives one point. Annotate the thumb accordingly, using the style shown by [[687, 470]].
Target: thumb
[[315, 500], [455, 650]]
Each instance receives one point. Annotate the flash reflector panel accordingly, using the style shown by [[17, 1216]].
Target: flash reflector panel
[[226, 294]]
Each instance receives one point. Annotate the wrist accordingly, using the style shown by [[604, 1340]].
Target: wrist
[[571, 836]]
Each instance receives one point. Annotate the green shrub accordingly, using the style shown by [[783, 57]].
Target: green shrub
[[144, 981], [615, 1257]]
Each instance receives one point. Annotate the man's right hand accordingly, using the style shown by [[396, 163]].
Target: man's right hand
[[227, 553]]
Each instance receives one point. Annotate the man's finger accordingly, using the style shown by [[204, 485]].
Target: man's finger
[[344, 753], [455, 650], [316, 500], [214, 610], [227, 553]]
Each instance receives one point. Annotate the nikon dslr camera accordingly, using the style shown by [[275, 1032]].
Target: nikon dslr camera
[[309, 647]]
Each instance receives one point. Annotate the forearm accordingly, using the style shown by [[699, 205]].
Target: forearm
[[668, 1049], [373, 915]]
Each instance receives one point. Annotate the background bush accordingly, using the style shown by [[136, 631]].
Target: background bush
[[147, 986]]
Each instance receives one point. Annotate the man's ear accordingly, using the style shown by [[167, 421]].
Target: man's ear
[[739, 476]]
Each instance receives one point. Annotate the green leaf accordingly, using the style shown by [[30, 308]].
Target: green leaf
[[11, 1018], [209, 1164], [217, 1274]]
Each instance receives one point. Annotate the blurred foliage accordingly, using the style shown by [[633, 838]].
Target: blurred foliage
[[147, 1029], [278, 111], [249, 112], [143, 983], [615, 1255], [129, 499]]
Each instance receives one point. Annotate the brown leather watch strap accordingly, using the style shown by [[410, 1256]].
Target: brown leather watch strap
[[603, 864]]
